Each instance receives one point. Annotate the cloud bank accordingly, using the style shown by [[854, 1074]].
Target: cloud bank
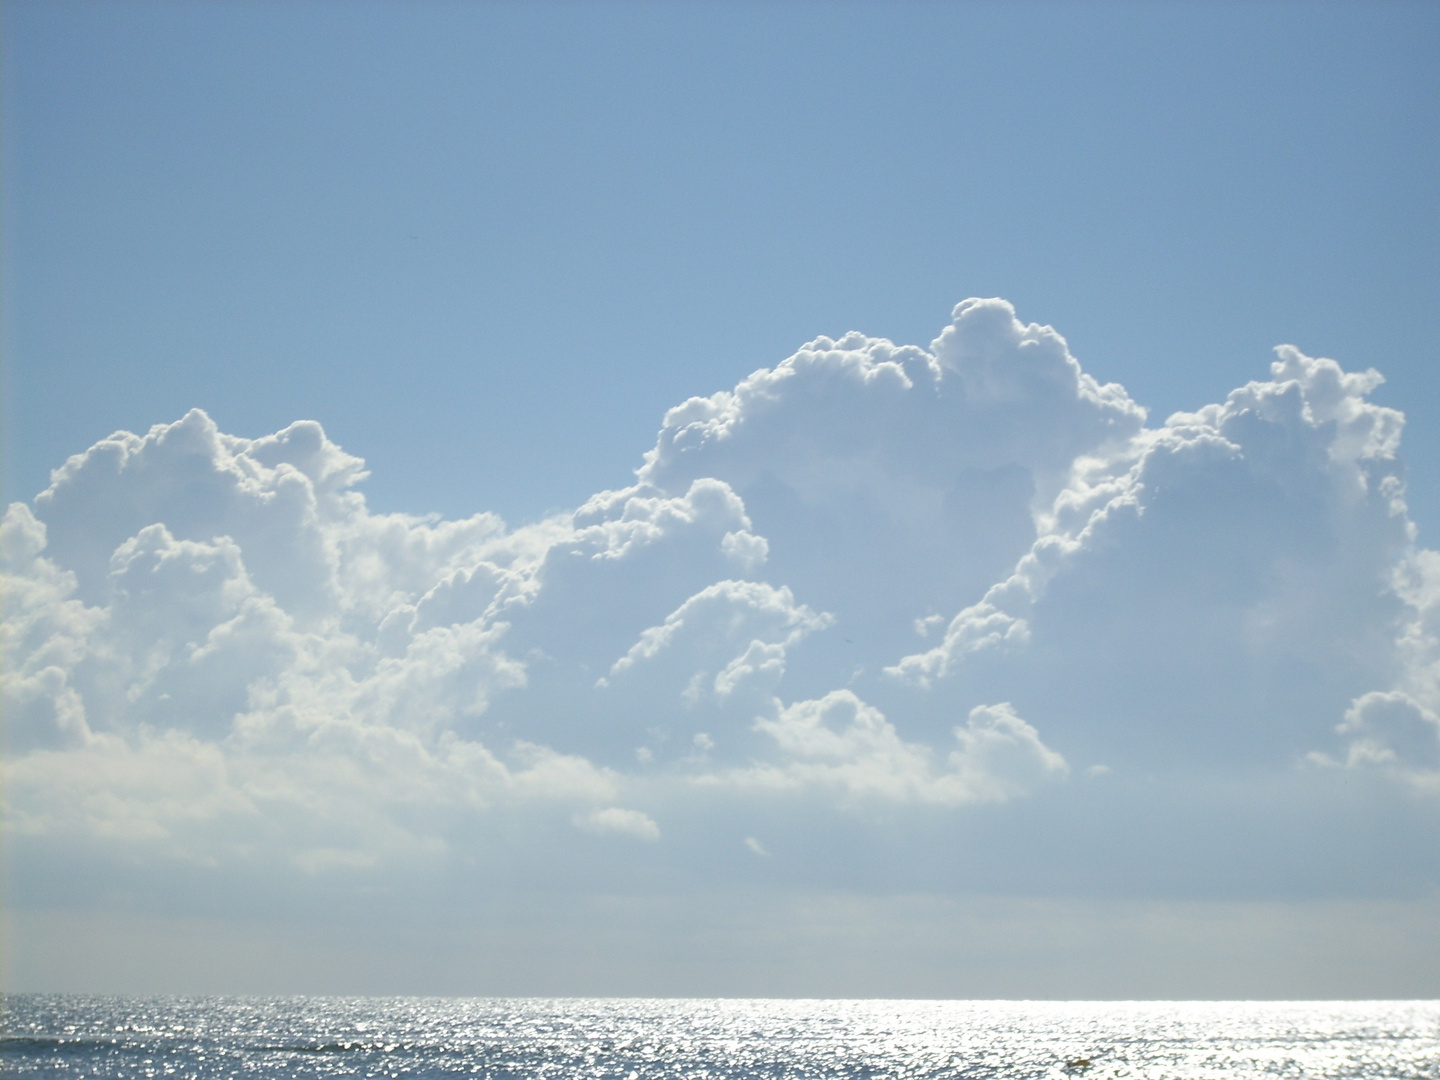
[[873, 587]]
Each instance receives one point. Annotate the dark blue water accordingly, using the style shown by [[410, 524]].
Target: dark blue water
[[714, 1039]]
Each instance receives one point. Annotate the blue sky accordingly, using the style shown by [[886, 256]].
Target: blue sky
[[908, 650], [516, 234]]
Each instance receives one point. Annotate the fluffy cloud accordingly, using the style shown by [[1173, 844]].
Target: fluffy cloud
[[893, 477], [613, 819], [750, 622], [1392, 728], [216, 653], [1299, 470], [842, 744]]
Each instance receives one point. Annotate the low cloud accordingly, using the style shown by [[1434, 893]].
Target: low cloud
[[613, 819], [842, 745], [872, 578], [742, 628], [1391, 731]]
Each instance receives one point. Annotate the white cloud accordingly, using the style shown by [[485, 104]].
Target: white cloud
[[888, 479], [216, 653], [1417, 584], [991, 393], [744, 627], [1392, 729], [1307, 441], [839, 743], [613, 819]]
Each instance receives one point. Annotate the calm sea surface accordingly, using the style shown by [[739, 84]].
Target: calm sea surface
[[632, 1039]]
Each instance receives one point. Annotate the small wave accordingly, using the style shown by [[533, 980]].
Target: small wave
[[16, 1044], [327, 1048]]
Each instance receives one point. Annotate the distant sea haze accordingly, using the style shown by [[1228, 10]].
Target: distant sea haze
[[632, 1039]]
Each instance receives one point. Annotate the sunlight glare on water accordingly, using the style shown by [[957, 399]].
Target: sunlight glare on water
[[717, 1039]]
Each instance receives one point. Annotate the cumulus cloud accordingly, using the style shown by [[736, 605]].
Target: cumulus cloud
[[743, 627], [887, 475], [1392, 727], [613, 819], [842, 583], [839, 743], [1417, 693], [1392, 731], [1303, 452]]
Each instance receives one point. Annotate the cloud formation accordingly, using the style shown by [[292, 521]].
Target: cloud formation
[[842, 744], [873, 579]]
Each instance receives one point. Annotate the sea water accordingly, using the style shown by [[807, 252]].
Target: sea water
[[714, 1039]]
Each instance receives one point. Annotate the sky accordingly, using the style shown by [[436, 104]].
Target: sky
[[761, 499]]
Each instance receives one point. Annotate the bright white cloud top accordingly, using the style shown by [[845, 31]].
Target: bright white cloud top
[[875, 590]]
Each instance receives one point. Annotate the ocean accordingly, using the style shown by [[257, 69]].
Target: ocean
[[713, 1039]]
